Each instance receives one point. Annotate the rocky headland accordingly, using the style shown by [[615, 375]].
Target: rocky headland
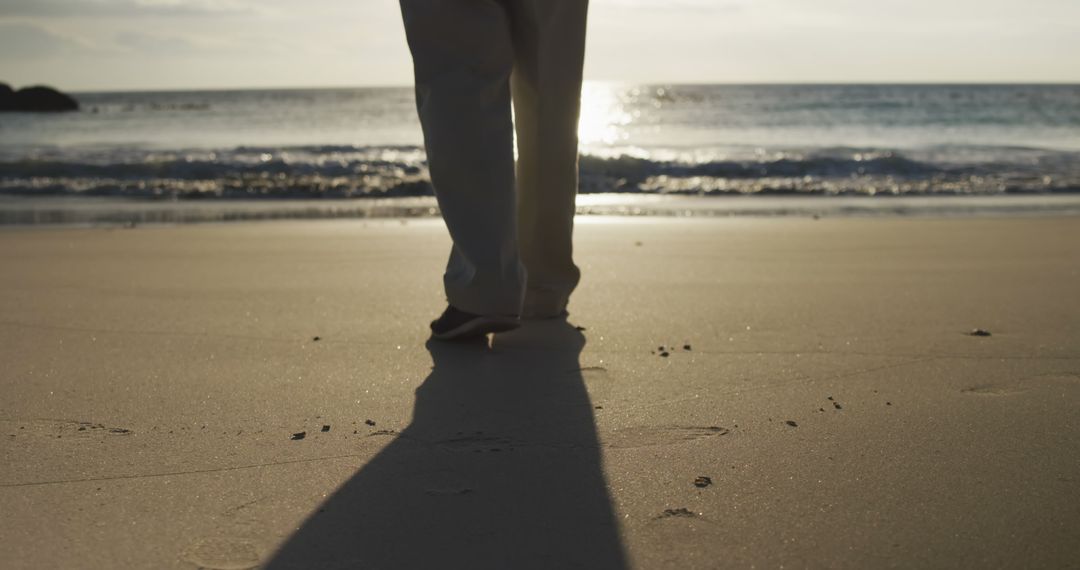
[[37, 98]]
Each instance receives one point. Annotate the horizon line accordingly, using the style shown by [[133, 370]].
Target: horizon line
[[587, 81]]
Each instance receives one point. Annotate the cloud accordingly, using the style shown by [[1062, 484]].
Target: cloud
[[154, 44], [121, 8], [25, 41]]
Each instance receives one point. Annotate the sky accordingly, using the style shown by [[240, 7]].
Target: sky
[[80, 45]]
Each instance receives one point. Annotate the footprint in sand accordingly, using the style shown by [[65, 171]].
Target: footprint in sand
[[222, 553], [477, 442], [60, 429], [1050, 377], [1023, 385], [993, 390], [650, 436], [622, 438]]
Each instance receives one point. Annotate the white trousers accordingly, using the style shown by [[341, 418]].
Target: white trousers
[[511, 227]]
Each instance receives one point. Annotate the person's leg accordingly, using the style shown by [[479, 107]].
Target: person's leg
[[549, 44], [463, 58]]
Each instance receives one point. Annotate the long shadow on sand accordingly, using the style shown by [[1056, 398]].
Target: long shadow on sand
[[500, 468]]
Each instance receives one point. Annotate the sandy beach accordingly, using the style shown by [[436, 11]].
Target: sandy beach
[[727, 393]]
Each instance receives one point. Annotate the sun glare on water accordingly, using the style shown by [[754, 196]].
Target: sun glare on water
[[603, 115]]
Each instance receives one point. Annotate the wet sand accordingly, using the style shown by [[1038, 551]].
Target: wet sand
[[726, 393], [112, 211]]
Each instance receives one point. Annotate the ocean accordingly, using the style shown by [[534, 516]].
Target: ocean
[[334, 150]]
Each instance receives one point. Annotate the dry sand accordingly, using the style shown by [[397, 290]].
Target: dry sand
[[830, 404]]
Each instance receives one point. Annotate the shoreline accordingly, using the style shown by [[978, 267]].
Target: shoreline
[[16, 211]]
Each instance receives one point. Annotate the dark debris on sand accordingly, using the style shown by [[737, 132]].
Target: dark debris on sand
[[791, 423], [299, 435], [979, 332], [680, 512], [326, 429], [316, 339], [702, 482], [369, 422], [665, 351]]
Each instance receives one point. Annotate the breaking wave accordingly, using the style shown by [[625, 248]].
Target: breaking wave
[[343, 171]]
